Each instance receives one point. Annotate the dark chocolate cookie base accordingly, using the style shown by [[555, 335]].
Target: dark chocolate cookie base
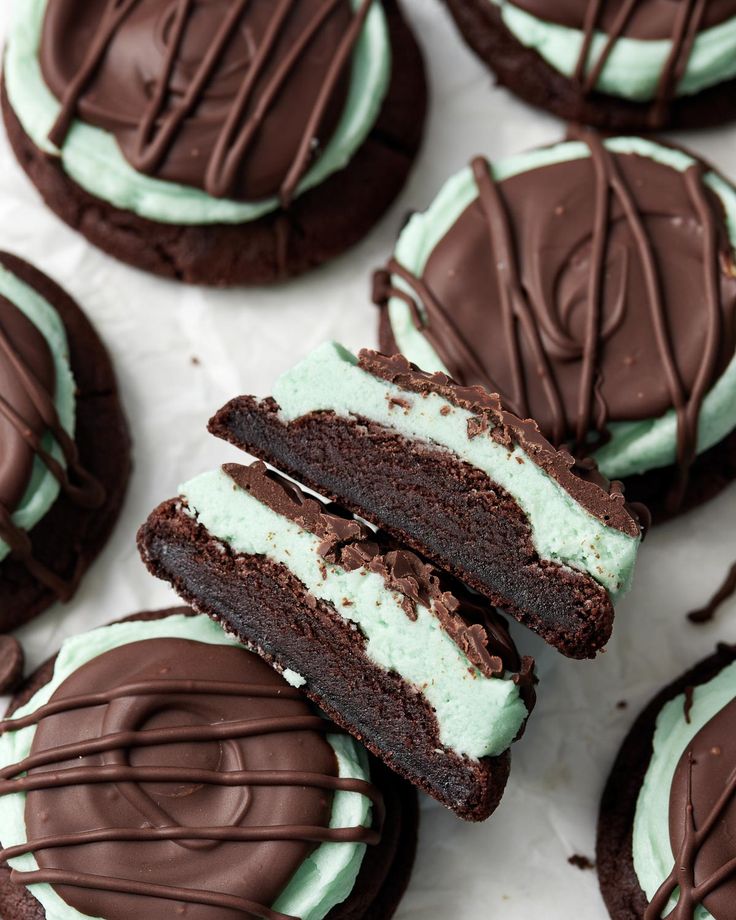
[[709, 475], [523, 71], [614, 857], [68, 538], [386, 868], [271, 612], [320, 225], [441, 507]]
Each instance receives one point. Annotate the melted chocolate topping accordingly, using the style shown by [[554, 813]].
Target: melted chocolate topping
[[583, 315], [195, 759], [582, 480], [703, 825], [475, 627], [27, 415], [726, 589], [236, 97], [680, 22]]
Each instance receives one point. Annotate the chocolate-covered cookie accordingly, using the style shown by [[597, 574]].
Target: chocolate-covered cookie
[[159, 741], [666, 825], [64, 445], [617, 64], [217, 142], [592, 284]]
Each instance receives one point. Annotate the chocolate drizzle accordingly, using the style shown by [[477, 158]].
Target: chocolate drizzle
[[475, 627], [235, 98], [702, 815], [28, 417], [595, 321], [198, 759], [727, 589]]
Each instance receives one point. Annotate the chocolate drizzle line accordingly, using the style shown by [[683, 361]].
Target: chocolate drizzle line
[[20, 778], [727, 589], [82, 488], [157, 130], [685, 28], [520, 323]]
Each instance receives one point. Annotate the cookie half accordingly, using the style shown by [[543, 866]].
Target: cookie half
[[137, 730], [402, 657], [592, 285], [66, 457], [679, 754], [216, 143], [619, 66], [448, 471]]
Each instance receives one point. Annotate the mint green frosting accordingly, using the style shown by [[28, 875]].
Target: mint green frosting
[[634, 67], [477, 716], [653, 857], [634, 447], [326, 877], [562, 530], [43, 488], [92, 158]]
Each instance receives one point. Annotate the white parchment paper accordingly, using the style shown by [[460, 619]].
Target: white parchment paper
[[514, 866]]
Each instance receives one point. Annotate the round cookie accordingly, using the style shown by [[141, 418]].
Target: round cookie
[[593, 285], [206, 169], [341, 798], [647, 750], [66, 459], [619, 66]]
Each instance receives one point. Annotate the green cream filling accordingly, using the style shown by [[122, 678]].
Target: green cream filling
[[477, 716], [634, 447], [634, 67], [43, 488], [92, 158], [326, 877], [330, 380], [653, 857]]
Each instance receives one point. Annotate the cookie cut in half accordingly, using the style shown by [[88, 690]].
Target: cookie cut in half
[[404, 658], [451, 473], [666, 842], [160, 743]]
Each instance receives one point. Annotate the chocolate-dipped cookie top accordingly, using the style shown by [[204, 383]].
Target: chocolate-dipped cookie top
[[236, 98], [589, 291], [193, 758], [702, 823]]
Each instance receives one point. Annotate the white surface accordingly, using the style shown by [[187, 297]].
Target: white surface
[[514, 866]]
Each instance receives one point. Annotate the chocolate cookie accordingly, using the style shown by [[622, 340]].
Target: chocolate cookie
[[592, 285], [620, 66], [450, 472], [221, 734], [60, 495], [702, 766], [399, 654], [253, 141]]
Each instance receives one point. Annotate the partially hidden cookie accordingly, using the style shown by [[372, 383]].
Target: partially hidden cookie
[[65, 455], [450, 472], [666, 826], [617, 64], [219, 143], [592, 284], [398, 654], [155, 768]]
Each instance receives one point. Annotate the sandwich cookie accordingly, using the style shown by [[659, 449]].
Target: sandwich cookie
[[155, 768], [222, 142], [592, 285], [64, 445]]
